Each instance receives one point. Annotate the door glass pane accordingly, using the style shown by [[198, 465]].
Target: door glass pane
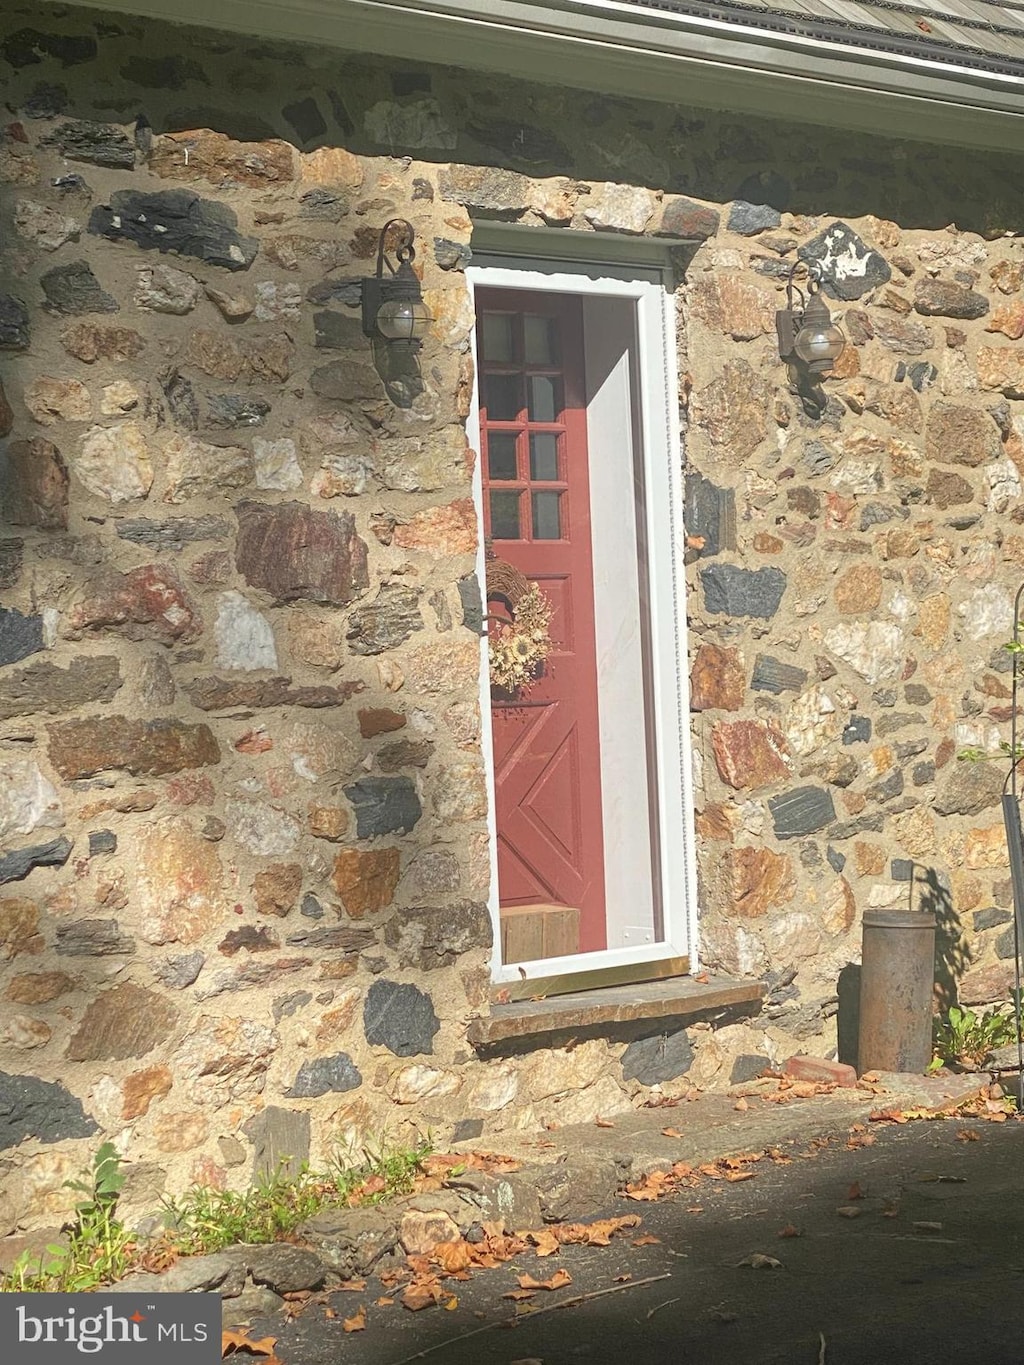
[[505, 516], [501, 455], [543, 455], [544, 402], [502, 397], [539, 340], [498, 340], [547, 519]]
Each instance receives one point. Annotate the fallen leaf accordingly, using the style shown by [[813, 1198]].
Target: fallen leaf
[[239, 1341], [329, 1312], [384, 1301], [790, 1231], [671, 1132], [967, 1135], [558, 1280], [622, 1279], [854, 1192], [545, 1241], [603, 1123], [741, 1105], [421, 1294], [861, 1140], [450, 1304], [702, 977], [927, 1227], [759, 1261], [519, 1294], [739, 1175], [357, 1322], [848, 1211], [356, 1285], [452, 1256], [647, 1240]]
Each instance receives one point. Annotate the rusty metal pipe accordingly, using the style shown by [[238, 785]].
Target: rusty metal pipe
[[896, 985]]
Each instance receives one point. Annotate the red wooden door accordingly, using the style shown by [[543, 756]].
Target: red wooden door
[[547, 756]]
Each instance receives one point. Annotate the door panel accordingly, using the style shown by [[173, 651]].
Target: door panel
[[537, 517]]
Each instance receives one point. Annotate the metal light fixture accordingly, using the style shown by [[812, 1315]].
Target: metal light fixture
[[807, 334], [393, 307]]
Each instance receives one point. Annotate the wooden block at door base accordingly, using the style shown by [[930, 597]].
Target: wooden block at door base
[[530, 932]]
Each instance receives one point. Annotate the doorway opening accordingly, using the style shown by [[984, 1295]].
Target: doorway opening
[[578, 480]]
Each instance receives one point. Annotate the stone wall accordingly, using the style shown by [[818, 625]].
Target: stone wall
[[242, 807]]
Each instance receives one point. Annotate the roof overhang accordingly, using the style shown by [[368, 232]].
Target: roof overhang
[[631, 50]]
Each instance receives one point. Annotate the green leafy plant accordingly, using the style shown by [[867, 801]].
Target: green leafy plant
[[964, 1038], [99, 1248]]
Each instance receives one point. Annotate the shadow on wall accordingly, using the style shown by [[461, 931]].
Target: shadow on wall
[[929, 892]]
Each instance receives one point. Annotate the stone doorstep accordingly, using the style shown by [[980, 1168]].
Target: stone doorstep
[[678, 997]]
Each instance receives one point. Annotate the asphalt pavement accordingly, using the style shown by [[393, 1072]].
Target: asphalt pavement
[[904, 1249]]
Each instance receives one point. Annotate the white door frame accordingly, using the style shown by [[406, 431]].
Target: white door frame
[[657, 377]]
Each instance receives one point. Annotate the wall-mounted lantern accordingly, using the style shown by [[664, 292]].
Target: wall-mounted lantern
[[808, 338], [393, 307]]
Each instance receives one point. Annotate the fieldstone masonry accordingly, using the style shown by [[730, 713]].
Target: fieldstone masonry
[[244, 872]]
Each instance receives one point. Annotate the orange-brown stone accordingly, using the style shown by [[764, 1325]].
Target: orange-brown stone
[[749, 753], [35, 487], [757, 880], [859, 589], [200, 154], [839, 909], [36, 988], [141, 1088], [870, 859], [329, 822], [82, 748], [717, 680], [379, 721], [366, 880], [277, 888], [449, 530], [19, 922], [715, 822]]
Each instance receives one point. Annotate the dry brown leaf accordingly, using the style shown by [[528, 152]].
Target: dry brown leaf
[[647, 1240], [421, 1294], [887, 1116], [545, 1241], [384, 1301], [671, 1132], [854, 1192], [741, 1105], [329, 1312], [452, 1256], [558, 1280], [603, 1123], [230, 1342], [355, 1285], [702, 978], [861, 1140], [790, 1231], [848, 1211], [622, 1279], [967, 1135], [450, 1304], [739, 1175], [357, 1322], [520, 1294]]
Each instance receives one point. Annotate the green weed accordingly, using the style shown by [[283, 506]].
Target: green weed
[[964, 1038]]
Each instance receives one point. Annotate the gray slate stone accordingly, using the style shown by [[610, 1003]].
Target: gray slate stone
[[98, 143], [20, 635], [337, 332], [991, 918], [14, 328], [11, 558], [92, 938], [857, 730], [181, 971], [750, 219], [175, 220], [747, 1067], [743, 592], [281, 1267], [280, 1139], [352, 1241], [851, 268], [801, 811], [710, 512], [451, 255], [45, 687], [472, 604], [347, 292], [428, 937], [322, 1074], [172, 533], [970, 788], [102, 841], [222, 1271], [836, 860], [287, 1005], [181, 400], [384, 805], [43, 1110], [17, 865], [652, 1061], [255, 1301], [29, 47], [864, 824], [73, 289], [400, 1018], [771, 675], [311, 907], [236, 410], [385, 622]]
